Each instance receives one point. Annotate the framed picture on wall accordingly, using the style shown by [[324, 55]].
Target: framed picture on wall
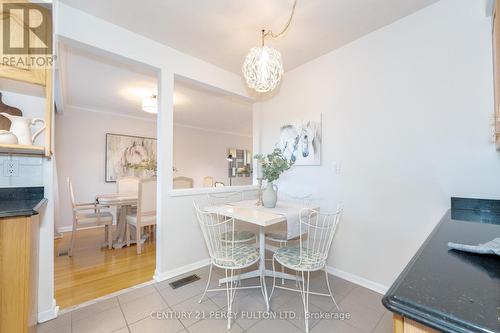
[[300, 140], [128, 155]]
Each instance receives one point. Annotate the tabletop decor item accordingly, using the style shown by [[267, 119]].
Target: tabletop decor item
[[273, 165], [21, 128]]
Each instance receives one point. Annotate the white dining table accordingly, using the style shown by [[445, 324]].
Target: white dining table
[[125, 201], [248, 211]]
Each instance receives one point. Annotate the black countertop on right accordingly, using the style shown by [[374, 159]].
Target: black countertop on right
[[448, 290]]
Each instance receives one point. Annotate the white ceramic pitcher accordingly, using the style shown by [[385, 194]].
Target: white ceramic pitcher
[[21, 127]]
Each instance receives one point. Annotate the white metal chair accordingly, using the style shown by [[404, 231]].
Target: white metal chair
[[316, 236], [240, 236], [146, 211], [88, 215], [281, 237], [230, 256]]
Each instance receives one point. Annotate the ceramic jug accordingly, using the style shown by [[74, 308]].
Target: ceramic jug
[[270, 195], [21, 128]]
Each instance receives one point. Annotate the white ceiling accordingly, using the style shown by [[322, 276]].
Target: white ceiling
[[107, 84], [222, 31]]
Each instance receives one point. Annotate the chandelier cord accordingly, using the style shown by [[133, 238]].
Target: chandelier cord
[[270, 33]]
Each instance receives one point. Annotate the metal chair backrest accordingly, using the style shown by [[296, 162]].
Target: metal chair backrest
[[213, 226], [128, 184], [306, 200], [316, 235], [224, 198]]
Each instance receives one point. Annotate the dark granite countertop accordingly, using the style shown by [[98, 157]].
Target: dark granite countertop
[[24, 201], [448, 290]]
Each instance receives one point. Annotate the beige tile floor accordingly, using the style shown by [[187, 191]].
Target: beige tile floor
[[131, 312]]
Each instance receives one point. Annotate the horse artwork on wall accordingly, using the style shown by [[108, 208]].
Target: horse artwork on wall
[[129, 156], [300, 141]]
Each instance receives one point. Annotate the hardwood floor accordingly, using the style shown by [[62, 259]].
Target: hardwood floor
[[93, 271]]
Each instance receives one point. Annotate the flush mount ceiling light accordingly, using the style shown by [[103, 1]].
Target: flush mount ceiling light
[[263, 67], [150, 105]]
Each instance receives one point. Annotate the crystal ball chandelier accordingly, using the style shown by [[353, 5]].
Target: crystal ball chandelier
[[263, 66]]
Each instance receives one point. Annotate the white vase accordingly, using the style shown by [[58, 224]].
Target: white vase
[[270, 195]]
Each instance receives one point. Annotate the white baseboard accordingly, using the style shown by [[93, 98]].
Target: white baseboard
[[162, 276], [377, 287], [49, 314]]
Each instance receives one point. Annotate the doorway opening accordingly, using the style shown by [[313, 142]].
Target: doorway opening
[[106, 153]]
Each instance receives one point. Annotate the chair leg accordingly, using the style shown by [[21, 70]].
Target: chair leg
[[274, 280], [230, 289], [304, 291], [208, 283], [138, 238], [73, 239], [330, 290]]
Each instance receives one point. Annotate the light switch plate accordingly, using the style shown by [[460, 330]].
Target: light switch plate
[[11, 168]]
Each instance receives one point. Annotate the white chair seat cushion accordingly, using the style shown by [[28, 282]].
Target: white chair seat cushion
[[132, 219], [236, 256], [239, 236], [89, 218], [290, 256]]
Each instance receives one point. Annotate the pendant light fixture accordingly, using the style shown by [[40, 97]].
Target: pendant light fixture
[[263, 66]]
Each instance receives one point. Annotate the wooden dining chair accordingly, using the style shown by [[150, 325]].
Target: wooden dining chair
[[128, 184], [146, 211], [88, 215], [183, 182], [208, 181]]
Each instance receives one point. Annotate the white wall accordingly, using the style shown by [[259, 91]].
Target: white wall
[[81, 151], [406, 113], [200, 152]]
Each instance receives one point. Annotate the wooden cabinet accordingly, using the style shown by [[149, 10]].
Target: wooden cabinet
[[29, 66], [405, 325], [496, 70], [19, 274]]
